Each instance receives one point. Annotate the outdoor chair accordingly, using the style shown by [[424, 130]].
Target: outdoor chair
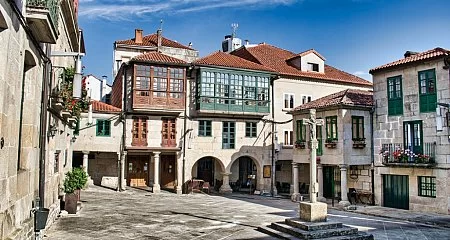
[[206, 186]]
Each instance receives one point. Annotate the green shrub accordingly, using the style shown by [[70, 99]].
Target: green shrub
[[75, 179]]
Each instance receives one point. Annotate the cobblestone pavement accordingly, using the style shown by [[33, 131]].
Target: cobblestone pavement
[[136, 214]]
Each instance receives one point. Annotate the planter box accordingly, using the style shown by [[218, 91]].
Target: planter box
[[359, 145], [331, 145], [300, 145], [71, 202]]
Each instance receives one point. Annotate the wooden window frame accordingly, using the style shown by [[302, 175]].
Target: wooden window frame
[[140, 127], [319, 137], [395, 95], [300, 131], [228, 135], [426, 186], [427, 90], [104, 124], [408, 127], [289, 102], [251, 129], [358, 128], [169, 127], [288, 136], [203, 126], [331, 128]]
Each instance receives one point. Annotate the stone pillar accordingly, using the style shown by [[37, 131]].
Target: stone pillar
[[156, 186], [344, 199], [320, 180], [179, 188], [85, 167], [225, 188], [296, 194], [122, 171]]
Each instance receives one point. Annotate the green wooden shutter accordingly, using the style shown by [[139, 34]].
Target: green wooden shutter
[[395, 95], [427, 90]]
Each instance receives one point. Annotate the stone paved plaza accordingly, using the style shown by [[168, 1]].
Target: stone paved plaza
[[137, 214]]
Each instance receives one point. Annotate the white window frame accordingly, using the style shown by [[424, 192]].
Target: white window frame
[[305, 95], [290, 136], [284, 100]]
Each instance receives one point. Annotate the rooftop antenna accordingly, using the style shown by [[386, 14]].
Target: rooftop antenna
[[234, 26], [160, 24]]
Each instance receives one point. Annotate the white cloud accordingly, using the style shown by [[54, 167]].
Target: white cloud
[[127, 9]]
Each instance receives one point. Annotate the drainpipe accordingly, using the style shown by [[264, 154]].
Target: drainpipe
[[46, 81], [124, 129], [184, 139], [19, 145], [372, 152], [272, 182]]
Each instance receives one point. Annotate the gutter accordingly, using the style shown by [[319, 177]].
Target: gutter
[[372, 152]]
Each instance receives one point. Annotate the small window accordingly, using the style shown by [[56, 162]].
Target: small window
[[427, 90], [104, 128], [289, 100], [306, 99], [250, 129], [228, 135], [331, 128], [288, 138], [395, 97], [313, 67], [358, 128], [204, 128], [427, 186]]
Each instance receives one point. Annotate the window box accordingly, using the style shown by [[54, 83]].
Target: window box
[[331, 143], [300, 144], [359, 143]]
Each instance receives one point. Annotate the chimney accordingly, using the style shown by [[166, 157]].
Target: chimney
[[409, 54], [138, 35], [190, 44], [159, 36], [247, 42]]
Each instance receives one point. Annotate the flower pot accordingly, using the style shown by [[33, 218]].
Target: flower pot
[[78, 193], [330, 145], [70, 203]]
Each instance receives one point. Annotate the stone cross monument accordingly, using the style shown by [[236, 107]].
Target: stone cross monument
[[313, 123], [313, 211]]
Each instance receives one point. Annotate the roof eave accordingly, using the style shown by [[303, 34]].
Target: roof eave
[[231, 68], [161, 63]]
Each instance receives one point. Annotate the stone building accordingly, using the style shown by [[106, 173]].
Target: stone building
[[344, 151], [97, 144], [303, 77], [98, 89], [35, 145], [412, 152]]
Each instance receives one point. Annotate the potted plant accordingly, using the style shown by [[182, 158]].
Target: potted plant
[[330, 143], [75, 180], [359, 142]]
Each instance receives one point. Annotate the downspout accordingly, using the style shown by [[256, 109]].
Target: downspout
[[272, 188], [46, 81], [372, 152], [184, 140], [124, 125], [19, 145]]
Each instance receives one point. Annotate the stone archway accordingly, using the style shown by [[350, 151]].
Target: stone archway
[[209, 169], [245, 174]]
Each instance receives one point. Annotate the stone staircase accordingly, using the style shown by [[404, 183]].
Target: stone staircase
[[297, 229]]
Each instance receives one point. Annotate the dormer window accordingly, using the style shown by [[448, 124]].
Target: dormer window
[[313, 67]]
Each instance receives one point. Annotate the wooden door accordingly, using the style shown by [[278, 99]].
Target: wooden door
[[139, 131], [168, 171], [396, 191], [328, 182], [169, 132], [137, 175]]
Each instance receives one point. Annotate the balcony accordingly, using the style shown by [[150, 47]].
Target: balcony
[[394, 154], [234, 106], [150, 101], [42, 17]]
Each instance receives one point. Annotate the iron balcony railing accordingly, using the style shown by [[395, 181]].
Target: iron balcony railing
[[51, 5], [397, 153]]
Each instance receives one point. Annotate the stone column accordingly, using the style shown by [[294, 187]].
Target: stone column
[[85, 167], [296, 194], [156, 186], [320, 180], [122, 171], [225, 188], [344, 199], [179, 188]]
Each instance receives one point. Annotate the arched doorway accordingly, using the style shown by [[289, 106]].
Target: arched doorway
[[208, 169], [244, 175]]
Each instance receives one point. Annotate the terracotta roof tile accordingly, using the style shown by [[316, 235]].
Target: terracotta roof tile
[[156, 57], [227, 60], [103, 107], [277, 59], [349, 97], [433, 53], [152, 41]]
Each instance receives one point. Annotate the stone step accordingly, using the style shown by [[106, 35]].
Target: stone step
[[296, 232], [312, 226], [358, 236], [275, 233]]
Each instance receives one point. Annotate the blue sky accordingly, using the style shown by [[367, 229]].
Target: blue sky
[[353, 35]]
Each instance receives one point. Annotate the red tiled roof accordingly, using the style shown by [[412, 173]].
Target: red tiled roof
[[103, 107], [227, 60], [349, 97], [433, 53], [156, 57], [277, 59], [308, 52], [152, 41]]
